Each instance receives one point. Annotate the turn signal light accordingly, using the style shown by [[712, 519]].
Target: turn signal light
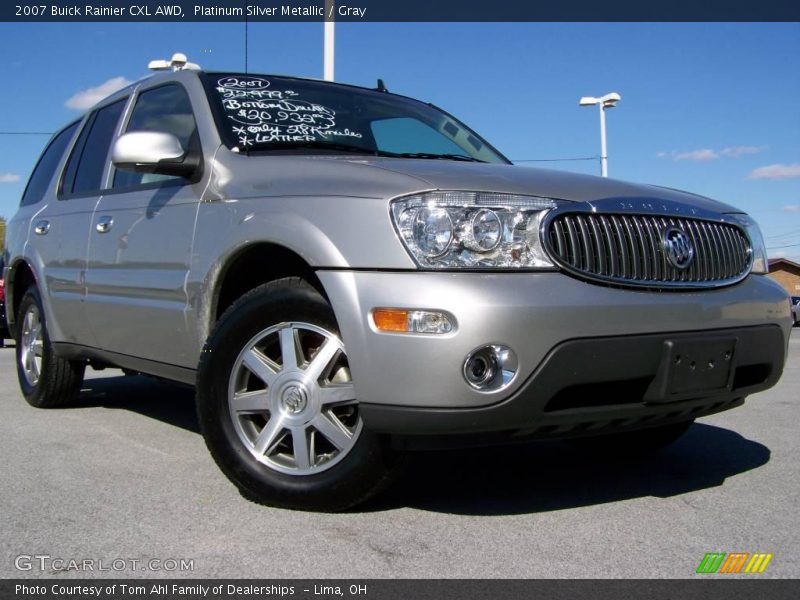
[[398, 320], [388, 319]]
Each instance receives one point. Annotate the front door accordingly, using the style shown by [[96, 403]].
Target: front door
[[141, 245]]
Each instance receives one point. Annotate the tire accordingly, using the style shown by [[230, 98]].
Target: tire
[[290, 436], [46, 380], [632, 444]]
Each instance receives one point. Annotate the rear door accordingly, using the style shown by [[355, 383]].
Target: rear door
[[60, 232], [141, 243], [37, 217]]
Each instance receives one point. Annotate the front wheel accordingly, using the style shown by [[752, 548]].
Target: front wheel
[[277, 405]]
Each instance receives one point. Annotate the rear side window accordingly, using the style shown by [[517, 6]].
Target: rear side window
[[45, 169], [166, 109], [88, 160]]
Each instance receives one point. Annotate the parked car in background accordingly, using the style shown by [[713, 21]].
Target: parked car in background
[[796, 310], [3, 326], [346, 274]]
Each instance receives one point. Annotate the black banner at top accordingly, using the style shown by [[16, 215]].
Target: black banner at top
[[399, 10]]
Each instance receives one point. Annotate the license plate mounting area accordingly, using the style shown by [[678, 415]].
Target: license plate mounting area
[[692, 367]]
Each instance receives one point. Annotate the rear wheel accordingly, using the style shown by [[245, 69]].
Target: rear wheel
[[278, 408], [46, 380], [632, 444]]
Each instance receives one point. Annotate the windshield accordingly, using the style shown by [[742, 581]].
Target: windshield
[[262, 113]]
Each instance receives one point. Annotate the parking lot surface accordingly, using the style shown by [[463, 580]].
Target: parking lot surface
[[124, 474]]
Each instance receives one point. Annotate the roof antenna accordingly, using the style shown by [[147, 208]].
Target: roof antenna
[[178, 62], [382, 86]]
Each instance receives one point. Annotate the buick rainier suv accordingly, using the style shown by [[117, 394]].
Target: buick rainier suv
[[345, 274]]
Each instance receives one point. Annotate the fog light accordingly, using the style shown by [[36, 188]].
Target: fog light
[[399, 320], [481, 368], [490, 368]]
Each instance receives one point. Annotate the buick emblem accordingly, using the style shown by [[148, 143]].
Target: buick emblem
[[678, 248], [294, 399]]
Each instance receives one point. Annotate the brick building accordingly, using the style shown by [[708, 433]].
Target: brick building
[[787, 273]]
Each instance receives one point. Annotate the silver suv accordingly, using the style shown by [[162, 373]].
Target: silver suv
[[345, 274]]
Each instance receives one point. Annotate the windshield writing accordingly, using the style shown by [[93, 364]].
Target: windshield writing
[[261, 114], [283, 114]]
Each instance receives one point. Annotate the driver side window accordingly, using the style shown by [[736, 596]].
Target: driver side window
[[166, 109]]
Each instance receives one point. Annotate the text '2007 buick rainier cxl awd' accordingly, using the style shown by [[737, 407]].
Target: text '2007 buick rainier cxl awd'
[[346, 274]]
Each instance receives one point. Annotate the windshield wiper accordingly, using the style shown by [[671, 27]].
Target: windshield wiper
[[315, 144], [431, 155]]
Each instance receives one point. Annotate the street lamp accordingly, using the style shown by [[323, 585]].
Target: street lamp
[[329, 42], [604, 102]]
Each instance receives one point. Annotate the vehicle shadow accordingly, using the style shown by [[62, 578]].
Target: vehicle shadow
[[545, 476], [164, 401], [533, 477]]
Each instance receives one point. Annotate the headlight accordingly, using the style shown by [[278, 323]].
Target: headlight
[[760, 260], [476, 230], [432, 228]]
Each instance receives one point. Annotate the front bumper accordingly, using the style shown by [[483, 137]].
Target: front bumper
[[595, 386], [532, 313]]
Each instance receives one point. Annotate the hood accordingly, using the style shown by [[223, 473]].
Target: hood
[[238, 176], [513, 179]]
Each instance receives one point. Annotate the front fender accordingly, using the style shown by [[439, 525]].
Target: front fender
[[325, 232]]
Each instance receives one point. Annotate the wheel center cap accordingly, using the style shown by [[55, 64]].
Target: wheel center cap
[[294, 399]]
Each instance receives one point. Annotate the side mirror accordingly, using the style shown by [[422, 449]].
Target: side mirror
[[152, 152]]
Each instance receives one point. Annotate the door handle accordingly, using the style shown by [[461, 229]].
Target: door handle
[[104, 224], [41, 227]]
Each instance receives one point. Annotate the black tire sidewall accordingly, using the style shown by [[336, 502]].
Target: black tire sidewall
[[336, 488], [33, 394]]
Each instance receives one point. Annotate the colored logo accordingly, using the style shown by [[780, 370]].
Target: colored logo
[[735, 562]]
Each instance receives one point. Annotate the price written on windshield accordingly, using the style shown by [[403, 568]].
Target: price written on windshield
[[260, 114]]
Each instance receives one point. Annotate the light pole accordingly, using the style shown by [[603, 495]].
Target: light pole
[[329, 40], [604, 102]]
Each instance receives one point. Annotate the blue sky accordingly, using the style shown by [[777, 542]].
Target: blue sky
[[711, 108]]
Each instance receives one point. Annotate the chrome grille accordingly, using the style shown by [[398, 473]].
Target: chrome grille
[[629, 249]]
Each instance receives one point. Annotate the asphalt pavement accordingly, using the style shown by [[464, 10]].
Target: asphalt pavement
[[123, 475]]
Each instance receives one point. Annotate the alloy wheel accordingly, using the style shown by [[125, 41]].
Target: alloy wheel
[[292, 401], [31, 345]]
